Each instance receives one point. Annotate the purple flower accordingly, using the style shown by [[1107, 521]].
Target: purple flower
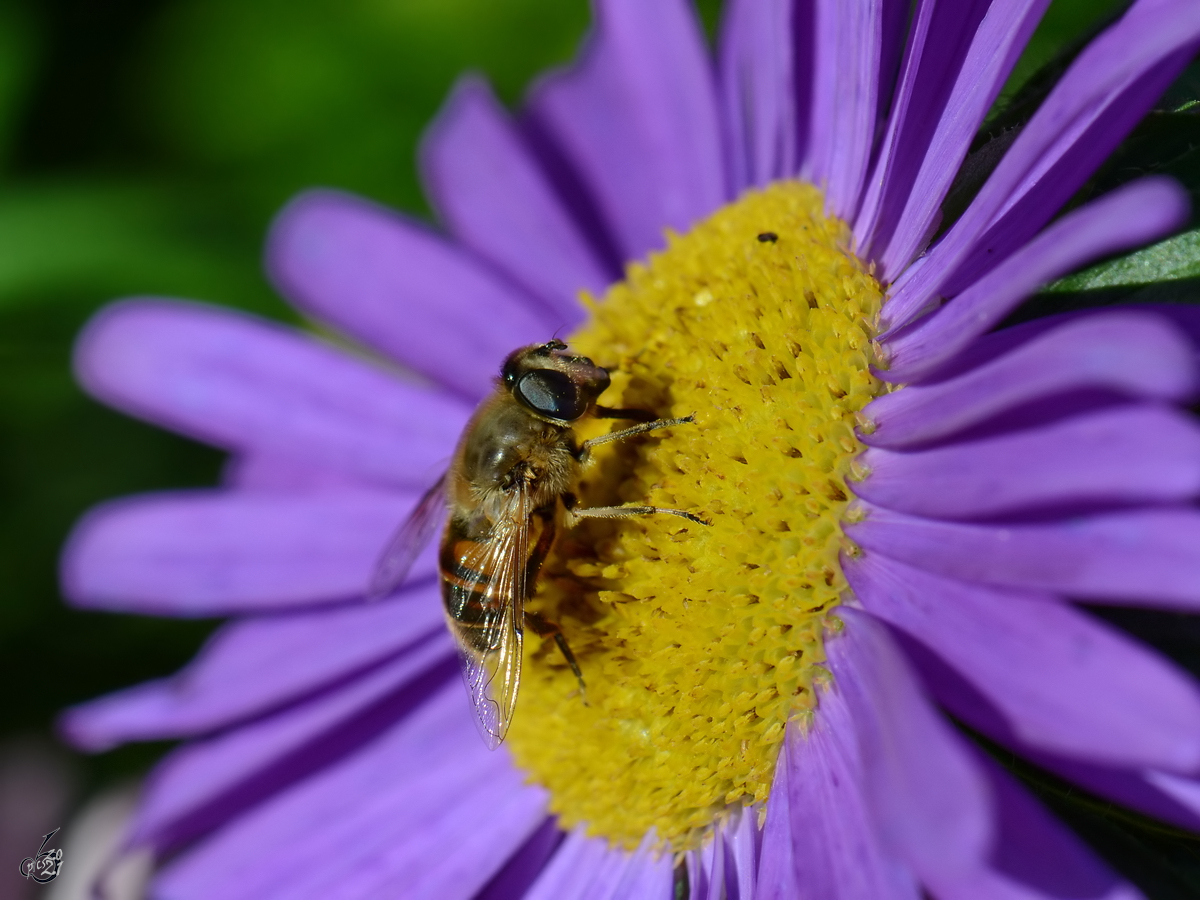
[[332, 752]]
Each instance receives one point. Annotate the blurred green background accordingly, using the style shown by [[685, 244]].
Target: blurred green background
[[144, 147]]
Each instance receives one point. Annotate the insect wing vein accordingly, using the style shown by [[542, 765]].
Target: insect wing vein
[[490, 645], [409, 540]]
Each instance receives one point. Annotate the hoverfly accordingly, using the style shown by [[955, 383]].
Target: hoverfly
[[507, 492]]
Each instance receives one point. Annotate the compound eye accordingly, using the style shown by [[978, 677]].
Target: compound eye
[[550, 393]]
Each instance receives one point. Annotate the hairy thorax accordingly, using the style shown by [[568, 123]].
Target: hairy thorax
[[503, 447]]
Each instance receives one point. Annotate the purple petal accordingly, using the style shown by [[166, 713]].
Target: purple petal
[[245, 384], [648, 874], [400, 818], [580, 860], [776, 875], [706, 870], [396, 286], [955, 68], [837, 850], [758, 91], [1065, 682], [851, 46], [924, 792], [1082, 459], [1036, 857], [742, 842], [1104, 93], [1167, 797], [965, 702], [524, 866], [1144, 557], [962, 700], [995, 344], [1021, 218], [1130, 352], [1133, 215], [638, 118], [1182, 789], [604, 878], [205, 553], [205, 784], [611, 876], [726, 866], [269, 472], [497, 200], [1185, 317], [253, 665], [708, 875]]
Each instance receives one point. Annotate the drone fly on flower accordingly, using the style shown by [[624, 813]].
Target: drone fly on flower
[[508, 491]]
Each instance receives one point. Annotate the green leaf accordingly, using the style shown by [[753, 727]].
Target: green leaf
[[1174, 259]]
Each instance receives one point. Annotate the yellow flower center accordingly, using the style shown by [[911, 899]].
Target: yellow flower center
[[698, 643]]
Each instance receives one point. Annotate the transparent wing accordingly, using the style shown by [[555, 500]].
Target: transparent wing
[[488, 594], [409, 540]]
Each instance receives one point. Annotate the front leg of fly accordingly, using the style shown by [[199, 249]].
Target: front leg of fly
[[585, 449]]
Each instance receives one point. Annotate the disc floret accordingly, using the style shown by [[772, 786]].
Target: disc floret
[[699, 643]]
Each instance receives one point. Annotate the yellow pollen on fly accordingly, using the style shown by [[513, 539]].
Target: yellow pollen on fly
[[697, 644]]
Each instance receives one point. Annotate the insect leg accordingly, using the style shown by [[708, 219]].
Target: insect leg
[[535, 621], [637, 415], [586, 446], [543, 627], [540, 550], [628, 512]]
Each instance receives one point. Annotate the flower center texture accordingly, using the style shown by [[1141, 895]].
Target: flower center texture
[[698, 643]]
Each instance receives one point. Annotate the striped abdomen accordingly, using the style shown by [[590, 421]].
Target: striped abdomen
[[468, 587]]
